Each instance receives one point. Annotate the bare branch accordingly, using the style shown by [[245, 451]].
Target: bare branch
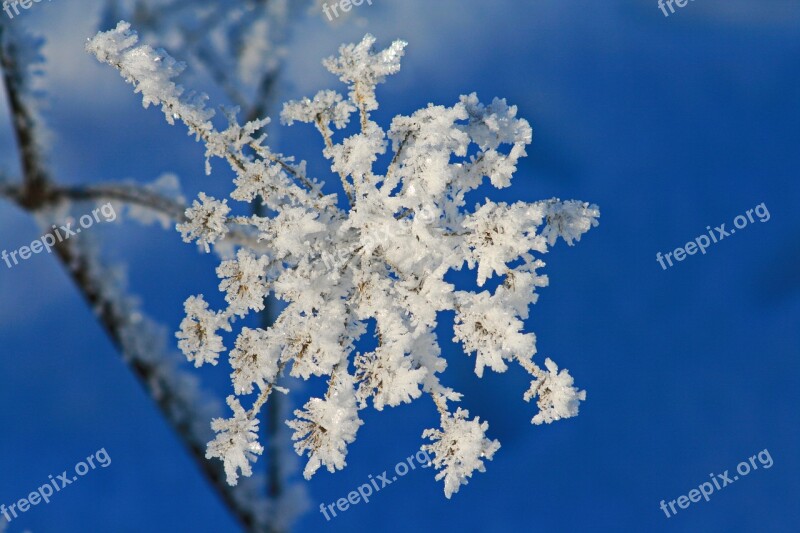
[[34, 173], [263, 99], [9, 190], [121, 192]]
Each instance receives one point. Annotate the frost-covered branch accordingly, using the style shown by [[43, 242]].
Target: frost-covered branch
[[139, 339], [241, 45], [138, 201], [152, 73], [143, 344], [383, 262]]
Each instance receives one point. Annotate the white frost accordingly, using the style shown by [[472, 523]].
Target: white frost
[[557, 396], [379, 265], [459, 449], [236, 443]]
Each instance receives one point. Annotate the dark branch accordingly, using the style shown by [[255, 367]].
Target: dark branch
[[116, 322], [37, 191], [10, 190], [31, 160], [121, 192]]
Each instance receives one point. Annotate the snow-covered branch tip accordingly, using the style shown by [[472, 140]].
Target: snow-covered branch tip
[[376, 267]]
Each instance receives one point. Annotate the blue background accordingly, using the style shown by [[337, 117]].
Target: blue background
[[668, 124]]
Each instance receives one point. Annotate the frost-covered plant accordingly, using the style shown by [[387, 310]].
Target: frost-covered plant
[[240, 45], [394, 287]]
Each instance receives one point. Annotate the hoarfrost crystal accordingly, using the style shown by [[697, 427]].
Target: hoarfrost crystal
[[377, 265]]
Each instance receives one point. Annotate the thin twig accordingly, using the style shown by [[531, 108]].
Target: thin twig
[[264, 395], [441, 404], [121, 192], [325, 131], [396, 157]]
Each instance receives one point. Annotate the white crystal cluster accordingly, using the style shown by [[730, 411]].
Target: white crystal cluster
[[405, 226]]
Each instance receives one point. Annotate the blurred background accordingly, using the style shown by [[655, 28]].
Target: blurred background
[[669, 124]]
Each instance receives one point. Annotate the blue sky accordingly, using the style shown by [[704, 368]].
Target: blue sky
[[668, 124]]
